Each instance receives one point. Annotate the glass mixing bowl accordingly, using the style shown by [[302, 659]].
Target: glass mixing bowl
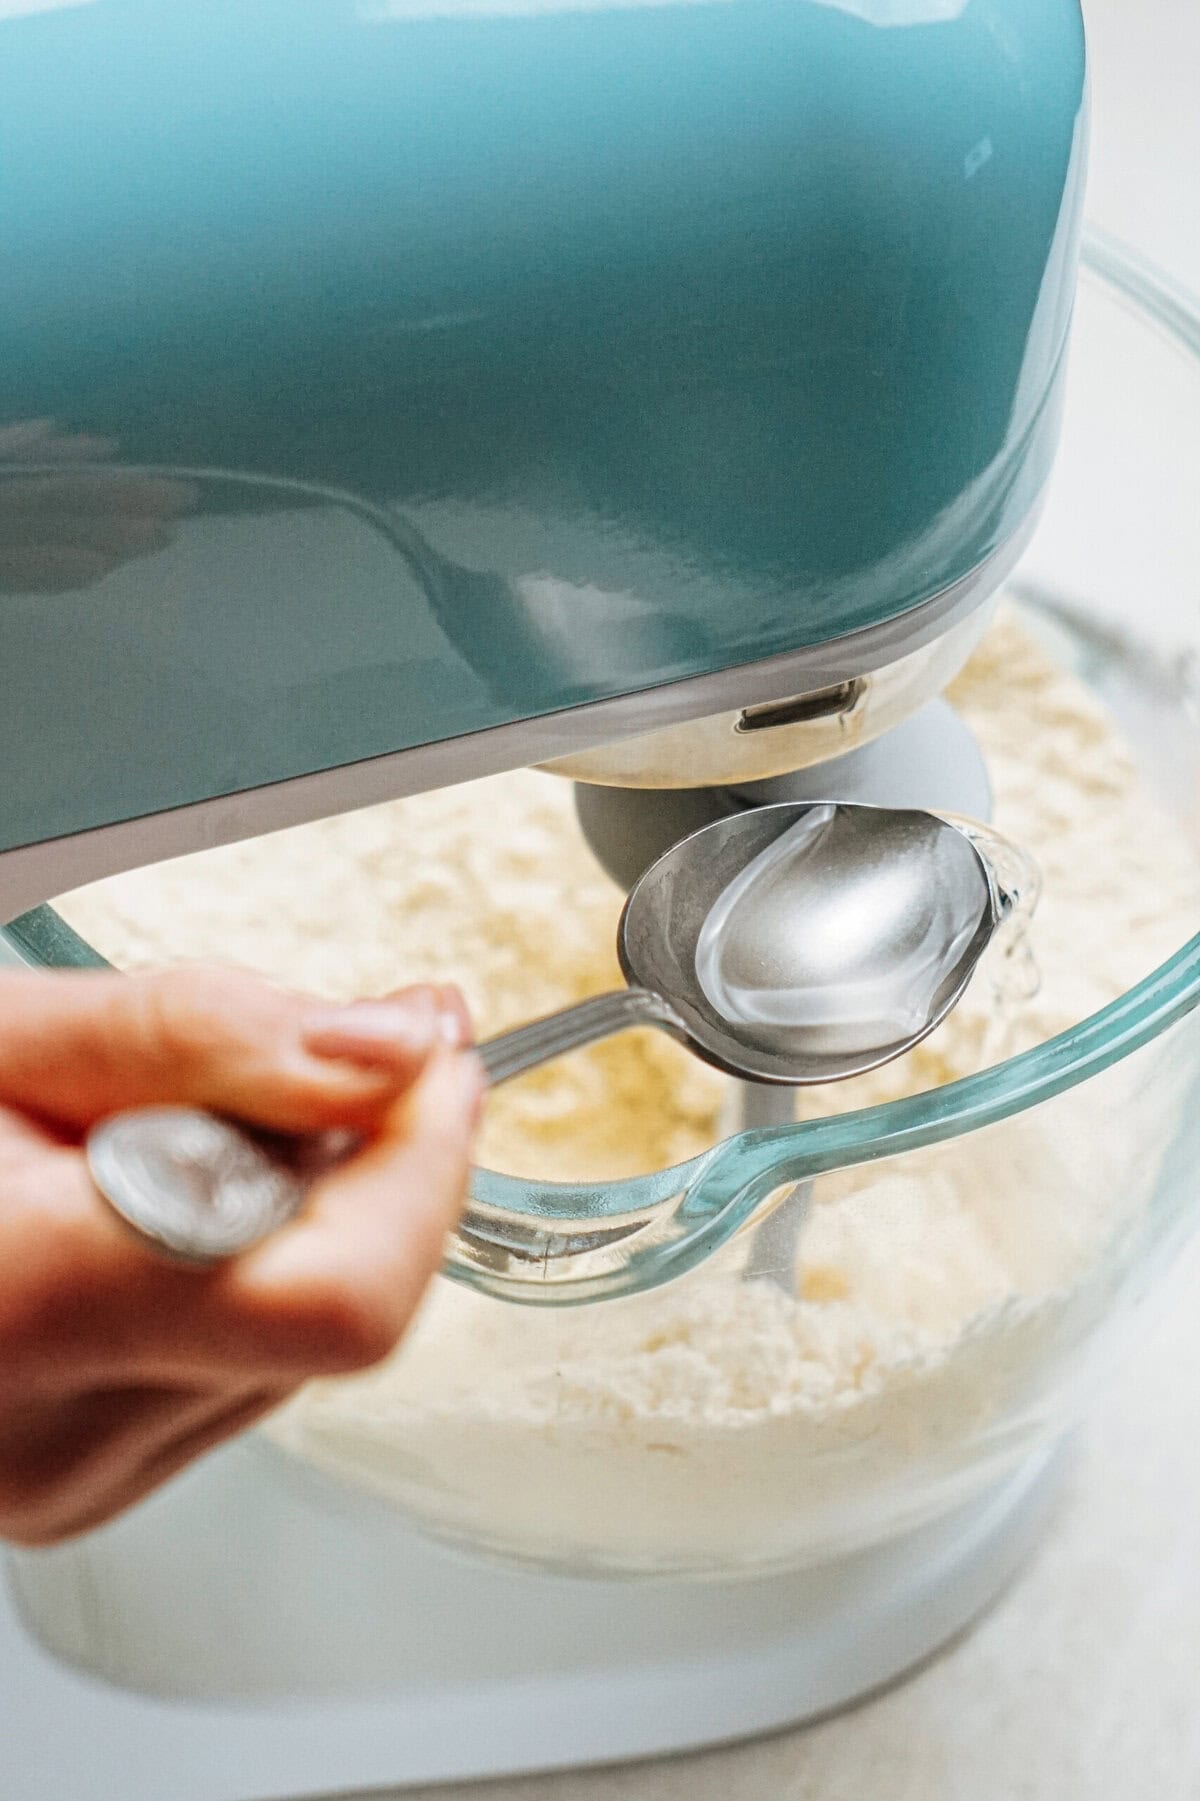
[[657, 1411]]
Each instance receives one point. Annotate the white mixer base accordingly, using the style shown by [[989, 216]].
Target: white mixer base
[[364, 1656]]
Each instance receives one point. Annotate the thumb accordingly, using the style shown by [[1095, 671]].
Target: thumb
[[77, 1045], [336, 1288]]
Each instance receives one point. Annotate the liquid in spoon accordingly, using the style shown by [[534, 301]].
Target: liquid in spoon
[[791, 946], [1010, 962]]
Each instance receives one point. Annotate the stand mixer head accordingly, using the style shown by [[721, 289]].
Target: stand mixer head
[[659, 394]]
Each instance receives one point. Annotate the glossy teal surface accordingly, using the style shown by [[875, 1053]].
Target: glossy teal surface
[[655, 340]]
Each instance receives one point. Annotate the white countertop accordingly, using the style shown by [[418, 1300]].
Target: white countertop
[[1082, 1684]]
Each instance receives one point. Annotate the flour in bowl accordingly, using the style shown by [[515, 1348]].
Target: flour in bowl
[[943, 1296]]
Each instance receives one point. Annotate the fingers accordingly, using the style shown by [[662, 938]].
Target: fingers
[[332, 1291], [453, 1004], [337, 1289], [77, 1046], [67, 1469], [174, 1455], [367, 1033], [118, 1368]]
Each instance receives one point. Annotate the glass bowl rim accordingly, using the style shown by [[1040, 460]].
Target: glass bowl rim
[[1142, 1013], [809, 1148]]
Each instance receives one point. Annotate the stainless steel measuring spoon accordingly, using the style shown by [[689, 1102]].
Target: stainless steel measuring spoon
[[788, 945]]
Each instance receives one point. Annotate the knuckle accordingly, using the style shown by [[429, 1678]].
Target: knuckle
[[161, 1005], [193, 991], [183, 1012]]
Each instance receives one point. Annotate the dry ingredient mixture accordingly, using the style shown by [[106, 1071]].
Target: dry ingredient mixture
[[717, 1421]]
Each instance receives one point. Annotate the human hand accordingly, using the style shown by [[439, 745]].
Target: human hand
[[118, 1367]]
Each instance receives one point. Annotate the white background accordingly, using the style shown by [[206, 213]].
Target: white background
[[1145, 171]]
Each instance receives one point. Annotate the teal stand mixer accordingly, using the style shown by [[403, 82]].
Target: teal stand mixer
[[395, 393]]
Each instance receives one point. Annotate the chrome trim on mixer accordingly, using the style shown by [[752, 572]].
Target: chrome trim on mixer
[[853, 690], [34, 873]]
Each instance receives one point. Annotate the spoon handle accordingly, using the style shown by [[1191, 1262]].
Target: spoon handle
[[200, 1188], [512, 1053]]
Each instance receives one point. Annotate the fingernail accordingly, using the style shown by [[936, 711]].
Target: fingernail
[[454, 1020], [376, 1032], [459, 1085], [474, 1089]]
